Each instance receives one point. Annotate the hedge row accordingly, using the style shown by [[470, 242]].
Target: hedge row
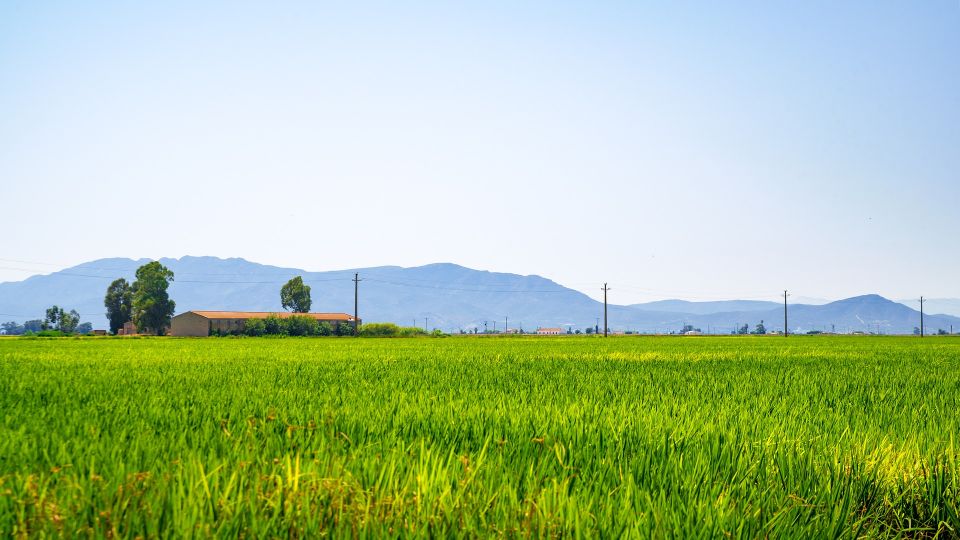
[[300, 325], [295, 325], [390, 330]]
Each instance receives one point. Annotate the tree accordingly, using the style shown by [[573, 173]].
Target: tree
[[60, 320], [119, 304], [152, 306], [34, 325], [85, 328], [295, 296], [52, 318], [12, 328], [69, 321]]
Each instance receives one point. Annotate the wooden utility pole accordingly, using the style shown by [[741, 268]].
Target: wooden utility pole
[[921, 316], [506, 325], [605, 325], [786, 329], [356, 290]]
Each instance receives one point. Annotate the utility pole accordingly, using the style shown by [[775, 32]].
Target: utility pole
[[786, 329], [596, 329], [484, 327], [506, 326], [605, 325], [921, 316], [426, 321], [356, 290]]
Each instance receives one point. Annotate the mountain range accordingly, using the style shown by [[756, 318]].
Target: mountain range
[[443, 295]]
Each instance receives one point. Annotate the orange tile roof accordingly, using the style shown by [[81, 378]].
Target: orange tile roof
[[265, 314]]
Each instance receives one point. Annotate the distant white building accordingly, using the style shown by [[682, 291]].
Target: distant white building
[[549, 331]]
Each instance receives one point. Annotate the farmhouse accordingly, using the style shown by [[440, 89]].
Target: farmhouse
[[549, 331], [203, 323]]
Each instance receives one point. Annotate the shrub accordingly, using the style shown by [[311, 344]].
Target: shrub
[[379, 330], [324, 329], [345, 329], [255, 327], [300, 325], [438, 333], [50, 333], [409, 331], [274, 325]]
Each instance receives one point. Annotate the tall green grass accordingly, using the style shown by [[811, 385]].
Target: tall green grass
[[649, 437]]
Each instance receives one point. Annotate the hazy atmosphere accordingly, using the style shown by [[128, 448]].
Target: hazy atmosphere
[[480, 270], [691, 151]]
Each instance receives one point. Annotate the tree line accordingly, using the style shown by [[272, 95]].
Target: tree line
[[145, 302], [56, 322], [301, 325]]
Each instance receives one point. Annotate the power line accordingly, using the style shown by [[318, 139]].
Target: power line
[[313, 280], [221, 282], [281, 271], [401, 284]]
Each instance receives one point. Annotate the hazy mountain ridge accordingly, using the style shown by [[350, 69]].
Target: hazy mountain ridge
[[441, 295], [706, 307], [944, 306]]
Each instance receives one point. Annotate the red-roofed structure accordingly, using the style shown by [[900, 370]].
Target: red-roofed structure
[[204, 323]]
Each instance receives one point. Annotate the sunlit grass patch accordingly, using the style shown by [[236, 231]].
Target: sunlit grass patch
[[708, 437]]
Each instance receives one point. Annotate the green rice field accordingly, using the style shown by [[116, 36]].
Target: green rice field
[[662, 437]]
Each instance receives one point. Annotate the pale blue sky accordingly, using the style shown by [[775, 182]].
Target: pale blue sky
[[673, 149]]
